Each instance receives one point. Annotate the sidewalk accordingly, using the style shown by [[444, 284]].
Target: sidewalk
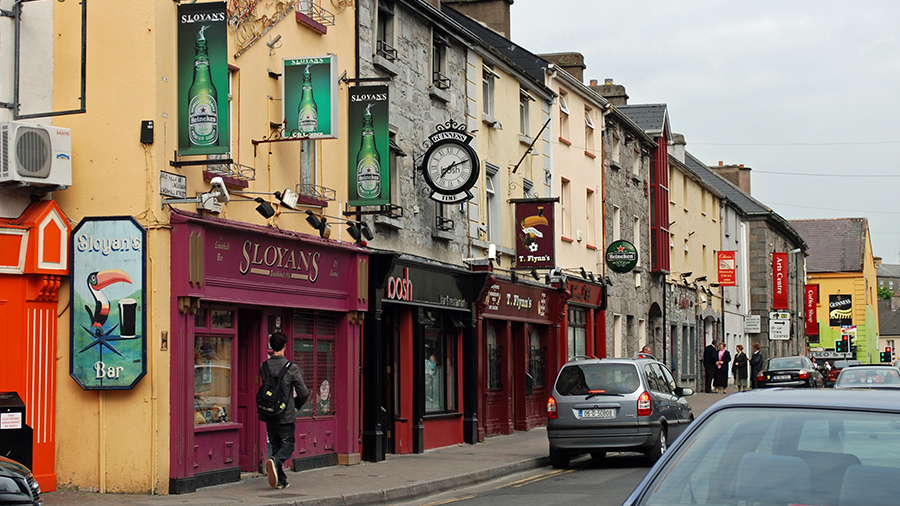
[[396, 479]]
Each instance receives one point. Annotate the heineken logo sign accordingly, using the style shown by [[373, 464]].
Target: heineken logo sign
[[621, 256]]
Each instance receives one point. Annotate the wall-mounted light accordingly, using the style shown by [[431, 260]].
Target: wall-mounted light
[[534, 274], [358, 230], [264, 208], [288, 198], [513, 277], [686, 274], [701, 278]]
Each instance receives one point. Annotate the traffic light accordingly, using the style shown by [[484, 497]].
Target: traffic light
[[886, 355], [842, 346]]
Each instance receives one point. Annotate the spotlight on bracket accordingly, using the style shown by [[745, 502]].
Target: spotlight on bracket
[[288, 198], [534, 274], [264, 208], [320, 224]]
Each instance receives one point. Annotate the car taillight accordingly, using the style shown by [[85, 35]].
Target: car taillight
[[645, 407], [804, 374], [551, 408], [760, 377]]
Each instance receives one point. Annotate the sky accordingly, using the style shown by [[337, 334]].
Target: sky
[[805, 93]]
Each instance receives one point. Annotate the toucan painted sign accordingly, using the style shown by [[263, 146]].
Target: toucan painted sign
[[108, 345]]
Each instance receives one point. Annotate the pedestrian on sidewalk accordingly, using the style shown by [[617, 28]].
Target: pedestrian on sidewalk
[[721, 375], [710, 356], [756, 365], [739, 368], [280, 428]]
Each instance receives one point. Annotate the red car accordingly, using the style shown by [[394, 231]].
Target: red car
[[836, 370]]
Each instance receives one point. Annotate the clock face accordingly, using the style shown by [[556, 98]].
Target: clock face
[[450, 166]]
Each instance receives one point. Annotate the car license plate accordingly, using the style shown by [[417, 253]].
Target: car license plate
[[781, 377], [598, 413]]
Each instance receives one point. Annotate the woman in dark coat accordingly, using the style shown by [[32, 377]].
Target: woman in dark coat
[[739, 368], [720, 380]]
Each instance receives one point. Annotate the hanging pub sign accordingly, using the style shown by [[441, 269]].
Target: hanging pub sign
[[203, 127], [779, 280], [840, 310], [369, 145], [450, 165], [309, 90], [108, 345], [535, 242], [621, 256], [726, 268]]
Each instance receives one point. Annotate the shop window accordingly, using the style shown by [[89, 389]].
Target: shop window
[[577, 333], [212, 380], [537, 356], [440, 373], [314, 352], [495, 360], [222, 319]]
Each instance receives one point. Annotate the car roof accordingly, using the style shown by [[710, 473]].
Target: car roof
[[868, 400]]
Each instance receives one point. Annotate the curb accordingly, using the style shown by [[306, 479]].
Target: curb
[[409, 492]]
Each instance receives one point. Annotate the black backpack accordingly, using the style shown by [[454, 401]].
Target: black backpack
[[271, 399]]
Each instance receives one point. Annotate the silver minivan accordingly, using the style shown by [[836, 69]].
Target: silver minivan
[[615, 404]]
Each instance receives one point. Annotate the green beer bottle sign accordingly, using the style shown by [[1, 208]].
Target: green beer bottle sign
[[203, 115], [368, 161], [307, 111]]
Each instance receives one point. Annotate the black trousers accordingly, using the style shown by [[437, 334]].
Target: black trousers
[[281, 437], [710, 375]]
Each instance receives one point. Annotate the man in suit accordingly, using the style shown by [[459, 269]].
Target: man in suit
[[710, 357], [756, 364]]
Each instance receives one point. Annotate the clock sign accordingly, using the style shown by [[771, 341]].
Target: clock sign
[[450, 166]]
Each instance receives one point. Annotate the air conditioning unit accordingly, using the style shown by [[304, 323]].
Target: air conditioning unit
[[35, 155]]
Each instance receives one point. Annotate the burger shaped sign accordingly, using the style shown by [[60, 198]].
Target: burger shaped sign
[[621, 256]]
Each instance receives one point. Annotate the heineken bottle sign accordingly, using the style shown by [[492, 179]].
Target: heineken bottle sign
[[203, 127], [309, 88], [369, 139], [621, 256]]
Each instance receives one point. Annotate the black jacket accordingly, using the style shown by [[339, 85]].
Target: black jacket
[[292, 381], [756, 363], [710, 357]]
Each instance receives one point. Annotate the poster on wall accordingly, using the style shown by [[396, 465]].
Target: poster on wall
[[203, 127], [727, 268], [309, 88], [535, 238], [811, 303], [368, 157], [108, 345], [840, 310]]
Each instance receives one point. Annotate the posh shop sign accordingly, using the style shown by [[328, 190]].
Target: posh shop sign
[[425, 287], [108, 345]]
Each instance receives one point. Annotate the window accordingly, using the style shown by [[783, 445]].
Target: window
[[495, 359], [617, 223], [393, 171], [487, 92], [441, 221], [492, 203], [563, 116], [527, 188], [384, 31], [577, 332], [565, 198], [617, 335], [591, 224], [439, 62], [588, 131], [523, 112], [314, 351], [440, 372], [213, 399], [537, 357], [616, 149]]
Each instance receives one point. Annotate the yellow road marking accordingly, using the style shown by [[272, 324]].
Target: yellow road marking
[[448, 501], [534, 479]]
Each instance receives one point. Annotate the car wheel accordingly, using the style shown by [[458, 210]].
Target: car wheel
[[559, 459], [598, 454], [659, 448]]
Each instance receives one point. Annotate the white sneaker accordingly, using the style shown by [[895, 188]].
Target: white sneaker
[[272, 472]]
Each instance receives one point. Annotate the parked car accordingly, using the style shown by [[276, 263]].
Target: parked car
[[869, 376], [796, 371], [836, 369], [617, 404], [780, 447], [17, 485]]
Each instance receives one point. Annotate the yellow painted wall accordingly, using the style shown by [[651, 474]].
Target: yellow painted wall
[[118, 441], [695, 213]]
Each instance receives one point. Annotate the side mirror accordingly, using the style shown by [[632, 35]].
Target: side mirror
[[684, 391]]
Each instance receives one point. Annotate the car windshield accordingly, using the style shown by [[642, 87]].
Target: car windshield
[[597, 378], [785, 363], [781, 456], [856, 376]]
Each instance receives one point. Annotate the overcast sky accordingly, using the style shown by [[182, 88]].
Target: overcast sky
[[805, 93]]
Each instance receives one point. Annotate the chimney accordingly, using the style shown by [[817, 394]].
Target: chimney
[[676, 148], [737, 174], [493, 13], [878, 262], [573, 63], [615, 93]]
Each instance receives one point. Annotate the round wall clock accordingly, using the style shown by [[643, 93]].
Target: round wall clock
[[450, 167]]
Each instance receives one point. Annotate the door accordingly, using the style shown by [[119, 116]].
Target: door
[[498, 396], [250, 353]]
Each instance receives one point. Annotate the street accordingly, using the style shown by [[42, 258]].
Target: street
[[585, 481]]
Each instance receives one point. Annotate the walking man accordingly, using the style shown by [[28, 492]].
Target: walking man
[[710, 357], [280, 428], [756, 364]]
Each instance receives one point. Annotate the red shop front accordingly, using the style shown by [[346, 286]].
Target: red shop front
[[233, 285], [584, 324], [519, 343]]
